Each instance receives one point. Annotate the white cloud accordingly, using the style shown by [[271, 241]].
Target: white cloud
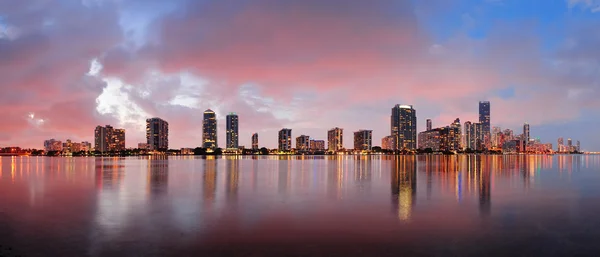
[[592, 5]]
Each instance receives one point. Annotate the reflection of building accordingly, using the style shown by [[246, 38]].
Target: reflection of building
[[158, 175], [404, 127], [157, 134], [335, 139], [209, 179], [108, 173], [232, 131], [404, 185], [363, 140], [232, 165], [285, 140], [209, 130]]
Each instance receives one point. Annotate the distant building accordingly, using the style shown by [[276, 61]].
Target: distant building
[[456, 135], [484, 120], [209, 130], [429, 125], [285, 140], [578, 149], [440, 139], [388, 143], [232, 127], [108, 139], [303, 143], [497, 137], [561, 145], [526, 135], [143, 146], [468, 138], [53, 145], [363, 140], [335, 139], [157, 134], [404, 126], [570, 145], [317, 145], [187, 151], [430, 139], [255, 141]]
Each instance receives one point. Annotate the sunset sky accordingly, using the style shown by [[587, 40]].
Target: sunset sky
[[67, 66]]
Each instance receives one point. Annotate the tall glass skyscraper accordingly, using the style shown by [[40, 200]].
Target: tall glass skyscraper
[[484, 119], [232, 131], [157, 134], [285, 140], [526, 135], [209, 130], [404, 127]]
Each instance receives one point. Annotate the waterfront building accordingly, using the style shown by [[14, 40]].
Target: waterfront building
[[335, 139], [404, 127], [317, 145], [285, 140], [363, 140], [232, 126], [255, 141], [484, 120], [303, 143], [157, 134], [209, 130]]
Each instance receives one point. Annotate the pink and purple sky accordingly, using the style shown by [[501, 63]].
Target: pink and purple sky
[[310, 65]]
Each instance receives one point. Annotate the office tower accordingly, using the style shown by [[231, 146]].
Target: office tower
[[484, 119], [363, 140], [561, 144], [388, 142], [209, 130], [468, 135], [101, 138], [526, 135], [335, 139], [404, 126], [255, 141], [157, 134], [285, 140], [456, 135], [429, 125], [232, 131], [317, 145], [303, 143]]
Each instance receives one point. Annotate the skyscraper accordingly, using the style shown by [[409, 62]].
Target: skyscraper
[[578, 149], [429, 124], [484, 119], [335, 139], [209, 130], [456, 135], [468, 135], [569, 145], [117, 142], [363, 140], [526, 135], [303, 143], [255, 141], [404, 126], [157, 134], [285, 140], [232, 131], [561, 144]]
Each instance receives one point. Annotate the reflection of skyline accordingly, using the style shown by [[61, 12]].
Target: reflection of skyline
[[404, 185], [232, 165], [108, 173], [158, 175], [209, 178]]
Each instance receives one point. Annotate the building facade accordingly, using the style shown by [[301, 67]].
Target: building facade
[[108, 139], [209, 130], [363, 140], [388, 143], [53, 145], [232, 131], [285, 140], [430, 139], [255, 141], [303, 143], [404, 127], [335, 139], [429, 125], [526, 135], [485, 121], [157, 134], [317, 145]]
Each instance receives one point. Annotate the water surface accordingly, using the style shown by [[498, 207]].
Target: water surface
[[301, 206]]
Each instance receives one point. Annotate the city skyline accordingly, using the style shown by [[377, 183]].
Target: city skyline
[[70, 67]]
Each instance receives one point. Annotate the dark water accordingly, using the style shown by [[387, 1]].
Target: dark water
[[301, 206]]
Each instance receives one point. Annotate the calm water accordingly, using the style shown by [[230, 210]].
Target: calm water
[[301, 206]]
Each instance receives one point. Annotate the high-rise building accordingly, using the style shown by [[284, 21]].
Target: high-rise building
[[285, 140], [561, 144], [363, 140], [496, 137], [53, 145], [317, 145], [429, 124], [157, 134], [117, 141], [468, 144], [578, 149], [570, 145], [430, 139], [303, 143], [102, 138], [526, 135], [232, 131], [209, 130], [484, 119], [388, 143], [255, 141], [404, 126], [335, 139], [456, 135]]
